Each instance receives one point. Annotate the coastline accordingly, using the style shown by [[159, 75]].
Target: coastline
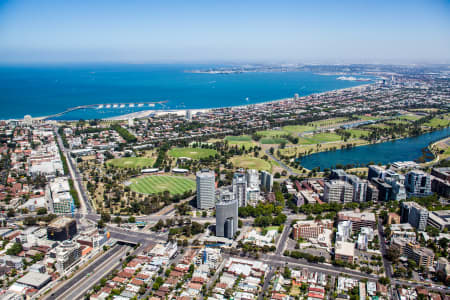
[[181, 112]]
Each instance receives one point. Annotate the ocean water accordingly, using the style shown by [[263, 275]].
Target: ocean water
[[47, 90]]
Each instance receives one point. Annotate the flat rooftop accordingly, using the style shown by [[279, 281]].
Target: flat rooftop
[[60, 222]]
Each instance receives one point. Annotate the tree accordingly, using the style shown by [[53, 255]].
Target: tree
[[131, 219], [14, 249], [117, 220], [384, 280], [105, 217], [11, 213], [443, 243], [41, 211]]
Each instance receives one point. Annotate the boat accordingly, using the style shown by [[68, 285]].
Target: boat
[[108, 105], [122, 105], [115, 105], [140, 104], [151, 104], [100, 106], [131, 105]]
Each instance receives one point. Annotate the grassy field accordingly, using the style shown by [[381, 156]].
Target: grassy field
[[248, 162], [358, 133], [410, 117], [297, 128], [241, 140], [272, 140], [155, 184], [436, 122], [272, 133], [319, 138], [193, 153], [131, 162], [397, 122], [328, 122]]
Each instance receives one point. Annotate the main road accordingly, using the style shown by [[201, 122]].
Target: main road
[[81, 281]]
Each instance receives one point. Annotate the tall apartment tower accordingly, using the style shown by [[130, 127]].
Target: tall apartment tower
[[226, 217], [266, 181], [206, 189], [240, 189]]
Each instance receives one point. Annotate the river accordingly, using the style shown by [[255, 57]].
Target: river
[[388, 152]]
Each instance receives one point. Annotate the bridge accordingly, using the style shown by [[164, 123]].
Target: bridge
[[107, 106]]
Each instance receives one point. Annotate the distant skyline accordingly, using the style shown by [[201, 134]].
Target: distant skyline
[[55, 31]]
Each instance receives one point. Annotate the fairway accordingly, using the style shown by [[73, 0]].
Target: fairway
[[248, 162], [193, 153], [157, 184], [272, 133], [297, 128], [323, 137], [244, 141], [238, 138], [131, 162], [272, 141]]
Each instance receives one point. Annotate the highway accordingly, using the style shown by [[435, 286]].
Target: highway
[[81, 282]]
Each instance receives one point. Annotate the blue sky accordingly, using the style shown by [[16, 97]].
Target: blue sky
[[133, 31]]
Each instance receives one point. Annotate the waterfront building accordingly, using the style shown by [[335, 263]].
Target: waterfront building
[[266, 181], [239, 186], [414, 214], [310, 228], [375, 172], [206, 189], [338, 191], [188, 115], [418, 183], [226, 217], [397, 182]]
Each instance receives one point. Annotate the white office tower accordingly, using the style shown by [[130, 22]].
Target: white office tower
[[266, 181], [226, 217], [188, 115], [252, 178], [240, 189], [206, 189], [130, 122], [344, 231]]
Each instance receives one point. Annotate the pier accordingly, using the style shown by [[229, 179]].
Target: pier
[[106, 105]]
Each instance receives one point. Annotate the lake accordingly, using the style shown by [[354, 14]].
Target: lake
[[388, 152]]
